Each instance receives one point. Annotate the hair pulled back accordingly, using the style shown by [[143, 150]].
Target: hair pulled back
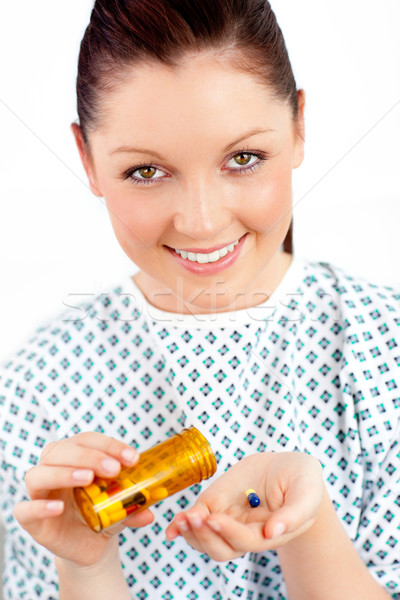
[[122, 33]]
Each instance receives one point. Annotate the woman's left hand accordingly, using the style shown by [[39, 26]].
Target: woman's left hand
[[223, 524]]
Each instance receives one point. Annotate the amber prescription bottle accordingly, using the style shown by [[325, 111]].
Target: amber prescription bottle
[[167, 468]]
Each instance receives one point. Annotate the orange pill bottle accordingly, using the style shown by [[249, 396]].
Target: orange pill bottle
[[163, 470]]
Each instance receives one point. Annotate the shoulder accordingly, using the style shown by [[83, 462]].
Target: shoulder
[[360, 320], [357, 298], [367, 314], [53, 384], [345, 306], [84, 320], [56, 356]]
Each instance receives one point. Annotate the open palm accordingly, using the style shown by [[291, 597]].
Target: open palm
[[224, 525]]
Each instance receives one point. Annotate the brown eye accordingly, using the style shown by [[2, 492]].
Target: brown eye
[[147, 172], [242, 159], [247, 160]]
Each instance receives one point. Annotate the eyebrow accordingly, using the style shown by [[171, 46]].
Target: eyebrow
[[154, 153]]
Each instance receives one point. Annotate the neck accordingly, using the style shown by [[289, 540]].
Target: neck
[[219, 296]]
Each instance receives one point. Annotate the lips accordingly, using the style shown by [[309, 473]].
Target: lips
[[209, 268], [208, 250]]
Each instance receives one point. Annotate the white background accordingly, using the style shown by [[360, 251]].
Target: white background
[[55, 236]]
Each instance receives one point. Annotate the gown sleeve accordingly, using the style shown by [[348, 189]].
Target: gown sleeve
[[25, 428], [371, 380]]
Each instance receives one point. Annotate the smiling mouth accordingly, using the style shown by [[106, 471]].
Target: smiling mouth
[[207, 257]]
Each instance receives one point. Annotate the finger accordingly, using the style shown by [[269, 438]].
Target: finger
[[172, 531], [180, 521], [80, 457], [42, 479], [204, 539], [104, 455], [139, 519], [97, 441], [179, 525], [242, 537], [110, 446], [28, 513]]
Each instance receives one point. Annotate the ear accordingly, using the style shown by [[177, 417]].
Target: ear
[[85, 158], [298, 154]]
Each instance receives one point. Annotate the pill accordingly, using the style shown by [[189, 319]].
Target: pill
[[159, 493], [138, 498], [117, 516], [113, 488], [132, 508], [252, 498], [92, 491], [102, 483], [101, 498], [126, 483], [114, 507], [145, 493], [105, 518], [89, 516]]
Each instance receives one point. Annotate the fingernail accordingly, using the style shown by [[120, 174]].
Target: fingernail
[[110, 465], [54, 506], [182, 525], [82, 475], [129, 455], [278, 529], [195, 520], [214, 525]]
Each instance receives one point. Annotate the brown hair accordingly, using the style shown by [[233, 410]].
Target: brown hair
[[122, 33]]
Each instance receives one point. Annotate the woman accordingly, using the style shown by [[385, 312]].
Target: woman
[[190, 124]]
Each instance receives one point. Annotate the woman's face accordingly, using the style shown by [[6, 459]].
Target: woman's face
[[196, 158]]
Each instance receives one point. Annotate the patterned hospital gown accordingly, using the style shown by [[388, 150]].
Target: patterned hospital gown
[[316, 369]]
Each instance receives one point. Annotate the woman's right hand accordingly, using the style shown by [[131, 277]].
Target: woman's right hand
[[51, 516]]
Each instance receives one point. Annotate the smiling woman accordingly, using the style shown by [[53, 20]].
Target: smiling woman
[[190, 127], [198, 197], [194, 65]]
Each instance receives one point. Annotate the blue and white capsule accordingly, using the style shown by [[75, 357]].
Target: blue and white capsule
[[252, 498]]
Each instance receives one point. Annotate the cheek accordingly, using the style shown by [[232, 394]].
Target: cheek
[[135, 225], [270, 202]]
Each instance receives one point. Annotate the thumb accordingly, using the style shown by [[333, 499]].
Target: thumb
[[297, 513]]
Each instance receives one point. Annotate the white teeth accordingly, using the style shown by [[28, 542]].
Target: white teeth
[[213, 256], [202, 257]]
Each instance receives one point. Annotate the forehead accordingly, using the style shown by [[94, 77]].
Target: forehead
[[201, 94]]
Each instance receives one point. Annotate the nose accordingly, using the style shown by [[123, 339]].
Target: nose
[[201, 211]]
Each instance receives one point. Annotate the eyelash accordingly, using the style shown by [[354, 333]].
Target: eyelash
[[262, 156]]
